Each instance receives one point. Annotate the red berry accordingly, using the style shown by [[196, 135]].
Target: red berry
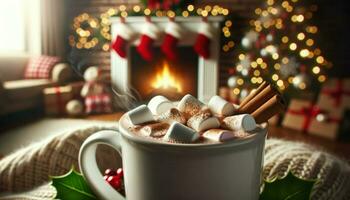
[[110, 172], [115, 182], [120, 172], [106, 177], [109, 179]]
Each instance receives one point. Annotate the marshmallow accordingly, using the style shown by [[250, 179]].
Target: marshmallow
[[203, 121], [240, 134], [155, 130], [180, 133], [140, 115], [218, 135], [159, 104], [220, 106], [189, 105], [172, 115], [243, 122]]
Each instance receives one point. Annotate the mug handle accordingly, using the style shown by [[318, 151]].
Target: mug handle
[[88, 164]]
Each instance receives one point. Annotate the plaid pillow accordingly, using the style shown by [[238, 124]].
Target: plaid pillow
[[40, 67]]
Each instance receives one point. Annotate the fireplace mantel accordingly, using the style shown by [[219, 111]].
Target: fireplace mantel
[[207, 68]]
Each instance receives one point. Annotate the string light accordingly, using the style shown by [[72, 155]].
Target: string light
[[293, 46], [309, 42], [137, 8], [316, 70], [190, 8], [241, 56], [147, 11], [254, 64], [185, 13], [275, 77], [304, 53], [301, 36], [319, 59], [240, 81], [322, 78], [285, 39]]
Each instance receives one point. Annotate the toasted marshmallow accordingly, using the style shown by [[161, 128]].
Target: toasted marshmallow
[[159, 104], [240, 134], [155, 129], [243, 122], [189, 105], [140, 115], [218, 135], [220, 106], [180, 133], [172, 115], [203, 121]]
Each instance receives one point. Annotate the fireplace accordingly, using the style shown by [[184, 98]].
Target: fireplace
[[135, 81], [172, 79]]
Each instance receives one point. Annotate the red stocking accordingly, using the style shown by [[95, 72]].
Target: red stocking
[[150, 32], [172, 37], [202, 44], [124, 34]]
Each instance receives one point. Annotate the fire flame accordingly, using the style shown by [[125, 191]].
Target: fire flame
[[164, 79]]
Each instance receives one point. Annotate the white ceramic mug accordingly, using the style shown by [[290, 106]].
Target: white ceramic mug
[[164, 171]]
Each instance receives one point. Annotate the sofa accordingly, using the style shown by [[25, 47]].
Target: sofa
[[17, 93]]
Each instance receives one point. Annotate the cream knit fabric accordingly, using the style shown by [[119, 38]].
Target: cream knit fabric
[[29, 168]]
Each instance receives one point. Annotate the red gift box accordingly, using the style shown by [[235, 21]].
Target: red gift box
[[305, 116], [56, 98], [335, 93]]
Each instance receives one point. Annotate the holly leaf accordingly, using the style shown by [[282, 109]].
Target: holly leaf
[[287, 188], [72, 186]]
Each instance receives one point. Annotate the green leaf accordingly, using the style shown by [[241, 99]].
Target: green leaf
[[287, 188], [72, 186]]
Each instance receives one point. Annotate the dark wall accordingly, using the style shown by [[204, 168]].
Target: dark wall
[[331, 19]]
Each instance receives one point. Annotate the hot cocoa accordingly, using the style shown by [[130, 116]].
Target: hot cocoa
[[192, 121]]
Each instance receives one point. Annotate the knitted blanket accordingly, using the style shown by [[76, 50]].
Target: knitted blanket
[[28, 168]]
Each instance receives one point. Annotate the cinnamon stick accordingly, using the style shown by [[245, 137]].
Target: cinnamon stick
[[273, 106], [253, 94], [258, 100]]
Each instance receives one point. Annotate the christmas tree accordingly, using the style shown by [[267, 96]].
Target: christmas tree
[[281, 47]]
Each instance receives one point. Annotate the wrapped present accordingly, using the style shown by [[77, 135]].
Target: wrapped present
[[335, 93], [307, 117], [98, 103], [56, 98], [325, 125]]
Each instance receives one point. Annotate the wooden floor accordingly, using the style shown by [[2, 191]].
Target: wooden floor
[[339, 148]]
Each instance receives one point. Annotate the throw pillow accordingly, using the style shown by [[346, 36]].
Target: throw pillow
[[40, 67]]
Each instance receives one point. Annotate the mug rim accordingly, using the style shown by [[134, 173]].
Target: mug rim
[[123, 121]]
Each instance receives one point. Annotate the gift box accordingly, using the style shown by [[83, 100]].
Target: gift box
[[325, 125], [307, 117], [335, 93], [98, 104], [56, 98], [297, 116]]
